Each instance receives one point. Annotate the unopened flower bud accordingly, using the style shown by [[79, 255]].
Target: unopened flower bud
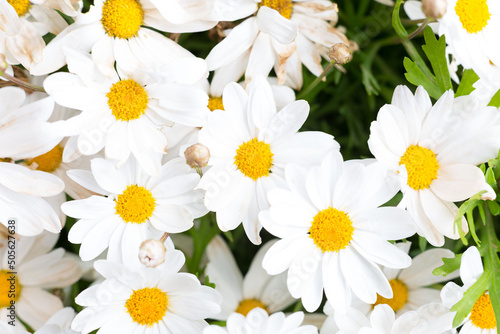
[[3, 63], [197, 155], [152, 253], [434, 8], [340, 54]]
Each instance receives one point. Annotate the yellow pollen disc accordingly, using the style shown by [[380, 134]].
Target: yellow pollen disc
[[473, 14], [399, 293], [135, 205], [21, 6], [249, 304], [284, 7], [254, 159], [215, 103], [122, 18], [421, 165], [127, 100], [49, 161], [331, 230], [482, 314], [147, 306], [10, 289]]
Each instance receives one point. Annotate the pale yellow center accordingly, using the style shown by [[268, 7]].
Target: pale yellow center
[[482, 314], [399, 296], [9, 289], [249, 304], [49, 161], [284, 7], [135, 205], [254, 159], [331, 230], [421, 165], [127, 100], [147, 306], [21, 6], [473, 14], [215, 103], [122, 18]]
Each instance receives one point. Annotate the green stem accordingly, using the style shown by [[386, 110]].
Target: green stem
[[316, 81]]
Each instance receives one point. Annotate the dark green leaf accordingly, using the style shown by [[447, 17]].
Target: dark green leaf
[[469, 77], [435, 50], [396, 21], [415, 76]]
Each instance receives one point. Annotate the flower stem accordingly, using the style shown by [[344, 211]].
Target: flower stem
[[22, 83]]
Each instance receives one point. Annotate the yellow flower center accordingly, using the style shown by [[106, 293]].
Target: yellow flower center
[[10, 289], [254, 159], [135, 205], [399, 296], [147, 306], [21, 6], [482, 314], [284, 7], [122, 18], [49, 161], [127, 100], [249, 304], [421, 166], [473, 14], [215, 103], [331, 230]]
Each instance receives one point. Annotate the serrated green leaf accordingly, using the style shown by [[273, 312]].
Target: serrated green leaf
[[449, 266], [464, 306], [465, 87], [396, 21], [495, 100], [415, 76], [435, 50]]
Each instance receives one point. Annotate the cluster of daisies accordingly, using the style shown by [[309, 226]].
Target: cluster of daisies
[[120, 129]]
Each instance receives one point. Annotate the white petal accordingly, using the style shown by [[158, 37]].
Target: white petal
[[272, 22]]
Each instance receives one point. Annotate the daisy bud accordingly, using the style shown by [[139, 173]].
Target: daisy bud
[[3, 63], [152, 253], [434, 8], [197, 155], [340, 54]]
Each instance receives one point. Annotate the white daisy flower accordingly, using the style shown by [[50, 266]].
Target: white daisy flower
[[471, 29], [136, 207], [411, 286], [126, 114], [116, 30], [25, 22], [241, 295], [334, 235], [283, 34], [259, 322], [149, 300], [37, 268], [433, 151], [481, 319], [250, 143]]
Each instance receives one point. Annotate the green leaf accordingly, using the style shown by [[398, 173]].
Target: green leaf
[[396, 21], [464, 306], [465, 87], [422, 243], [495, 100], [435, 50], [415, 76], [449, 266], [494, 207], [466, 208]]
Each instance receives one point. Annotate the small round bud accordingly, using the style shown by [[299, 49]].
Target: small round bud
[[197, 155], [434, 8], [3, 63], [340, 54], [152, 253]]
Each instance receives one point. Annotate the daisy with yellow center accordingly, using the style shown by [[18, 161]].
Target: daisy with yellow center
[[136, 207], [243, 294], [250, 142], [159, 299], [482, 319], [432, 151], [283, 34], [333, 233], [471, 27], [126, 115], [38, 270]]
